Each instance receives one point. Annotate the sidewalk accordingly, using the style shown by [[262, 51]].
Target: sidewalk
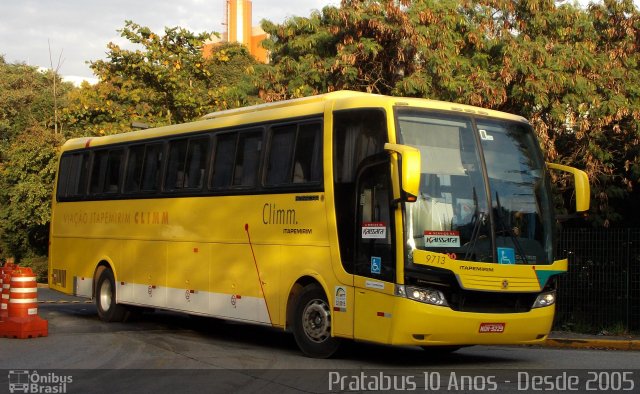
[[565, 339]]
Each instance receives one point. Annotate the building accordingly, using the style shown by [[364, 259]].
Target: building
[[239, 29]]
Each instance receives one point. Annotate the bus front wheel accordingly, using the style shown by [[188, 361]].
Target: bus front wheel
[[108, 310], [312, 323]]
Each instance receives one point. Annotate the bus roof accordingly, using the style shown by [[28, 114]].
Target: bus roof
[[305, 106]]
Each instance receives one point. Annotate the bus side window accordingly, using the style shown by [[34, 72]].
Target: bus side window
[[175, 177], [74, 172], [280, 155], [247, 161], [134, 168], [98, 171], [223, 161], [308, 154], [114, 169], [83, 179], [64, 176], [295, 155], [151, 172], [196, 162]]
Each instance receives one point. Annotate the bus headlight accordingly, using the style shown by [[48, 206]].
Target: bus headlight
[[545, 299], [428, 296]]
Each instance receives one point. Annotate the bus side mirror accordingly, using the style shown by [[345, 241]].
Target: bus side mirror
[[409, 170], [581, 184]]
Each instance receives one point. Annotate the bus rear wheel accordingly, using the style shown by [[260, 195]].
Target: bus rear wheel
[[108, 309], [312, 323]]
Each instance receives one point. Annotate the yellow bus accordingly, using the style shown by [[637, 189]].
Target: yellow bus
[[341, 216]]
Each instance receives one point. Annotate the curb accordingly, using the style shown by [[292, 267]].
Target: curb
[[608, 344]]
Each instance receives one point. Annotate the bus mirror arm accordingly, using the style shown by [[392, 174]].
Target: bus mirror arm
[[581, 184], [409, 166]]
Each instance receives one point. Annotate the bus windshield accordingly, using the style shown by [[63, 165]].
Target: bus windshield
[[483, 194]]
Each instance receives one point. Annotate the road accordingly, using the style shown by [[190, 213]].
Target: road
[[162, 345]]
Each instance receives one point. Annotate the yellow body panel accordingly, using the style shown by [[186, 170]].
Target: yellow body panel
[[172, 252]]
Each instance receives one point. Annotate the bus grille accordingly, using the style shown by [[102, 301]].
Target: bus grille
[[487, 302]]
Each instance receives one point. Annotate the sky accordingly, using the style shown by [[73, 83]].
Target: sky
[[78, 31]]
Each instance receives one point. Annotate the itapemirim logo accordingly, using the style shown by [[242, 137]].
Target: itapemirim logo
[[25, 381]]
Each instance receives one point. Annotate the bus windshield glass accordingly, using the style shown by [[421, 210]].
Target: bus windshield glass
[[482, 189]]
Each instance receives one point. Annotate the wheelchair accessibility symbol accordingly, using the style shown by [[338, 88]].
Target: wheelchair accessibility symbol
[[376, 265]]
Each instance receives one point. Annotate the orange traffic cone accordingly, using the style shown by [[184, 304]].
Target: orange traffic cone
[[22, 318], [5, 284]]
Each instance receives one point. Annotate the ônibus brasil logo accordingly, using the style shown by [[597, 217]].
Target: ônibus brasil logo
[[25, 381]]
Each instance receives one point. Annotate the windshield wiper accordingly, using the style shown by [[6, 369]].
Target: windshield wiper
[[508, 230]]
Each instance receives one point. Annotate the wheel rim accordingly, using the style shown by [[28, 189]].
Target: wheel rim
[[105, 295], [316, 321]]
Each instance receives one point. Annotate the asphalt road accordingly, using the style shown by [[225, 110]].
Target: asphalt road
[[169, 351]]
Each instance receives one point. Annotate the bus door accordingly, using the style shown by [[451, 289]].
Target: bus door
[[374, 262]]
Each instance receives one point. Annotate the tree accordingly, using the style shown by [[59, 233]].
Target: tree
[[26, 183], [26, 99], [574, 74], [165, 80], [27, 157]]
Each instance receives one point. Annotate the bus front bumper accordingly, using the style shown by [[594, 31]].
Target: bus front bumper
[[422, 324]]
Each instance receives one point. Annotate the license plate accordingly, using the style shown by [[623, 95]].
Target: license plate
[[491, 328]]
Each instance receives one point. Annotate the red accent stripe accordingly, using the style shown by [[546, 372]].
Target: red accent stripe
[[380, 314]]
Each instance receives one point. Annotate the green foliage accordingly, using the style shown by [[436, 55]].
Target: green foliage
[[27, 157], [26, 99], [39, 265], [26, 182], [573, 72], [165, 80]]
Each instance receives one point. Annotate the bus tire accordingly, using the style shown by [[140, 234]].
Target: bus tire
[[108, 309], [312, 323]]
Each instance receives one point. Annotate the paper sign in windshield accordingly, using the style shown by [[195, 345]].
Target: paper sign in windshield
[[442, 239], [374, 230]]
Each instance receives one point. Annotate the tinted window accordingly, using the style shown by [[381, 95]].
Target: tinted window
[[175, 177], [357, 135], [79, 181], [308, 158], [134, 169], [73, 176], [295, 154], [114, 164], [223, 161], [98, 171], [152, 170], [197, 153], [63, 175], [105, 174], [245, 171], [279, 168]]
